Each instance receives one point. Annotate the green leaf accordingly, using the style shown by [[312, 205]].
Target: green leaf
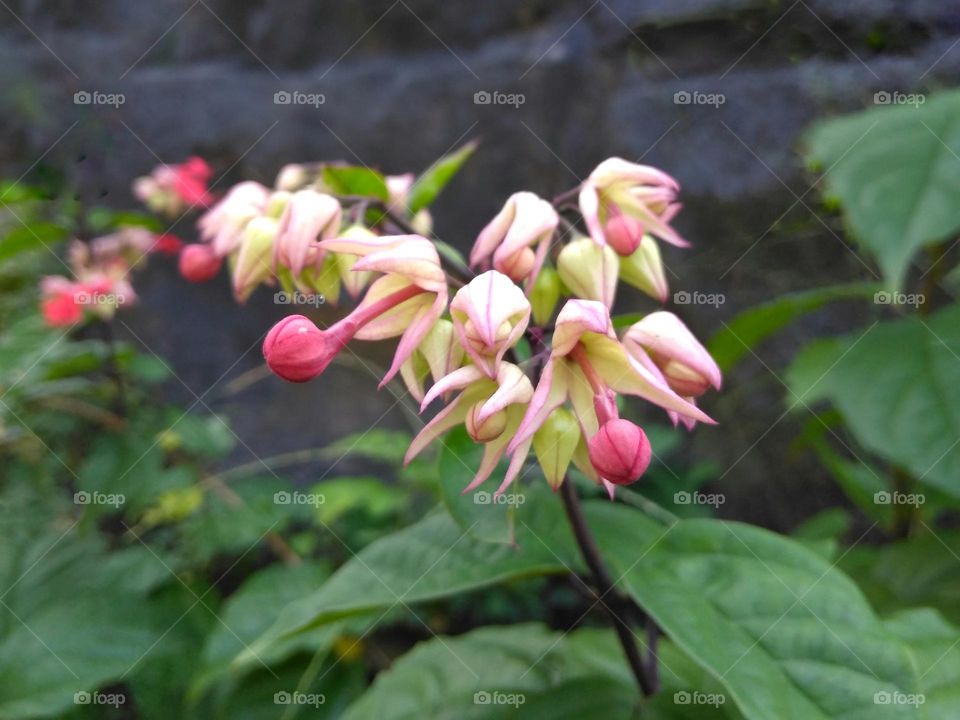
[[387, 446], [449, 252], [248, 613], [355, 180], [517, 671], [36, 235], [370, 495], [476, 512], [103, 220], [159, 682], [433, 559], [625, 320], [895, 171], [789, 636], [66, 626], [426, 187], [224, 526], [935, 646], [897, 385], [753, 326]]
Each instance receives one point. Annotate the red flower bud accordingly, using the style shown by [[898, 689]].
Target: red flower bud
[[624, 234], [199, 263], [619, 452], [297, 350], [167, 244]]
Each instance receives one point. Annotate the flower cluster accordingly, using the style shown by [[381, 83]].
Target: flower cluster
[[171, 190], [273, 235], [100, 269], [561, 402]]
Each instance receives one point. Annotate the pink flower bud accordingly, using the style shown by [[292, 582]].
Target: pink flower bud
[[199, 263], [624, 234], [297, 350], [516, 266], [620, 452], [484, 431], [167, 244]]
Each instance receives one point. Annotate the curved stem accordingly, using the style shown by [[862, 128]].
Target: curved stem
[[618, 606]]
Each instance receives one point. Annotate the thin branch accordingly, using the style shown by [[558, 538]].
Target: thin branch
[[618, 606]]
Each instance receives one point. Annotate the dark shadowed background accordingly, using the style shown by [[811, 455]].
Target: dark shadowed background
[[399, 81]]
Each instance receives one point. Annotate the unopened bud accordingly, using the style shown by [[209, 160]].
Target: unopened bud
[[544, 295], [518, 265], [254, 261], [644, 270], [555, 443], [624, 234], [292, 177], [422, 223], [474, 337], [277, 203], [199, 263], [483, 431], [297, 350], [589, 270], [620, 452]]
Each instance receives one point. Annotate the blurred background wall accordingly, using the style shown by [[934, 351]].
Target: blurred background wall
[[399, 81]]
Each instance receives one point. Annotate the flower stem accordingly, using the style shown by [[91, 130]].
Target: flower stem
[[618, 606], [347, 327]]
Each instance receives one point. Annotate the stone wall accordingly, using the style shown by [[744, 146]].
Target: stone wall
[[399, 79]]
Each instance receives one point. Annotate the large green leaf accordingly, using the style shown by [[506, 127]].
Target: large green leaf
[[478, 512], [753, 326], [67, 623], [897, 385], [788, 636], [518, 671], [896, 172], [426, 187], [434, 558], [935, 646], [249, 612]]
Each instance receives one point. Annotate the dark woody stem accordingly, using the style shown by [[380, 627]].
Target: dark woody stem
[[618, 606]]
